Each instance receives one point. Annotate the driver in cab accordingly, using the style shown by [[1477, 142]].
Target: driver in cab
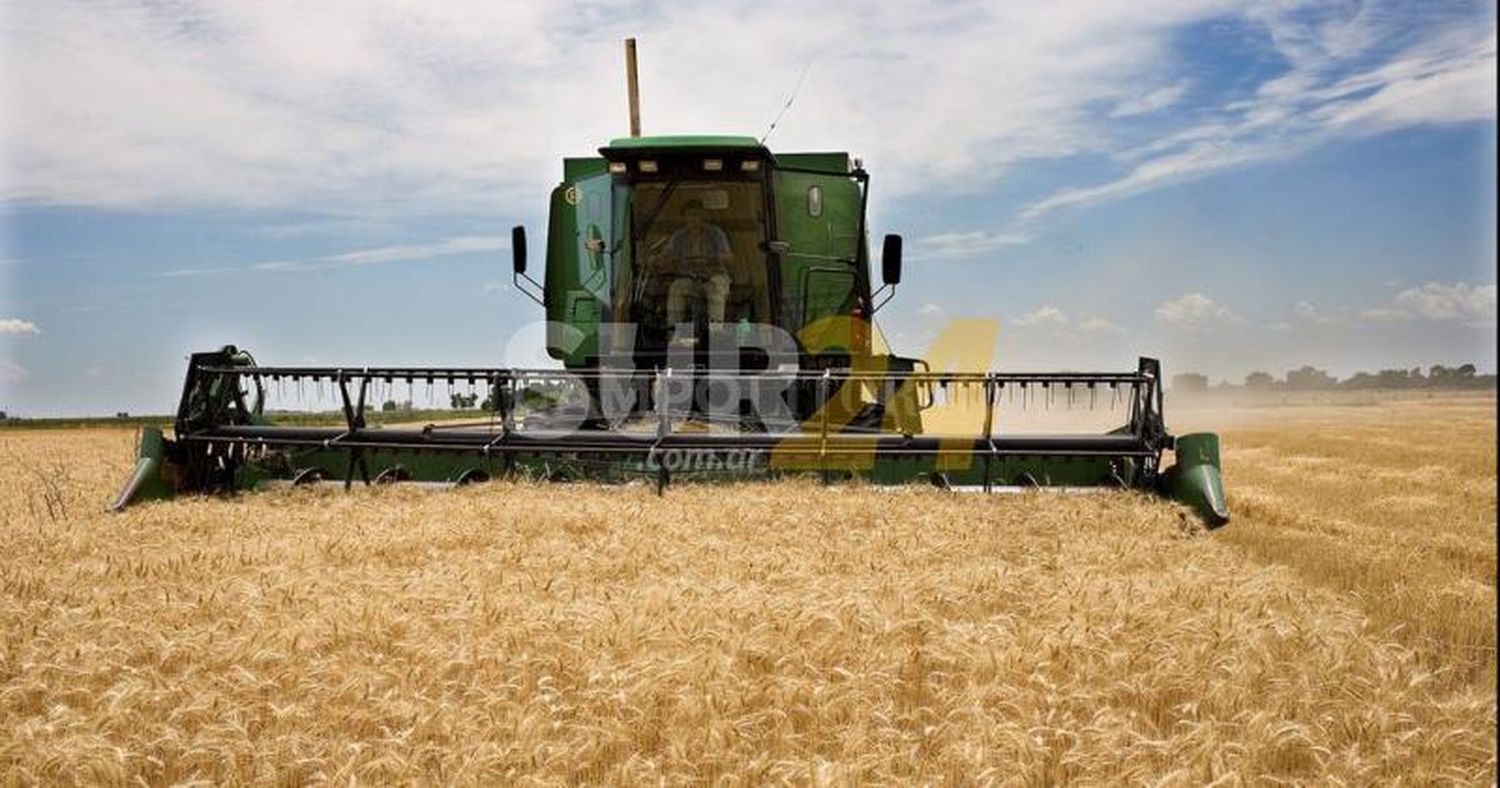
[[699, 256]]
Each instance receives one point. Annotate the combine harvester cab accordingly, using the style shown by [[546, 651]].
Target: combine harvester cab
[[711, 307]]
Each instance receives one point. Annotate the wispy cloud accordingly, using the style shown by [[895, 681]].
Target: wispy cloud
[[1197, 160], [408, 253], [966, 244], [13, 325], [357, 109], [1150, 101], [1309, 312], [1193, 312], [1348, 77], [1046, 315], [1385, 314], [1099, 325]]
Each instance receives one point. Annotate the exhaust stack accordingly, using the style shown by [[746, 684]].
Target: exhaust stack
[[633, 85]]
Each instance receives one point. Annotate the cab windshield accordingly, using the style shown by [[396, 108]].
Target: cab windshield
[[696, 256]]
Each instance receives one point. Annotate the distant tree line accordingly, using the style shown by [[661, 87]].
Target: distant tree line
[[535, 395], [1309, 378]]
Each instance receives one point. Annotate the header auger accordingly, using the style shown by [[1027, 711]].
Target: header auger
[[711, 305]]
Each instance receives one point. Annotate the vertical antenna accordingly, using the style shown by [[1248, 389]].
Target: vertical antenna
[[634, 87]]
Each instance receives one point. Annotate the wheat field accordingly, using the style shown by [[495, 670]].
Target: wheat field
[[1341, 629]]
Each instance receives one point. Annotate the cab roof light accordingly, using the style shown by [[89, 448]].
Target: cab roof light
[[647, 165], [713, 165], [617, 167], [750, 165]]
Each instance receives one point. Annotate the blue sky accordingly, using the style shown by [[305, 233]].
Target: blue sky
[[1230, 187]]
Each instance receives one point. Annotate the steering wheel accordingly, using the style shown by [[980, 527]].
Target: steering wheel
[[699, 267]]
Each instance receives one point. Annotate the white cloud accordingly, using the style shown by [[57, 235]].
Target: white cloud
[[1193, 312], [467, 105], [1046, 315], [1100, 325], [407, 253], [1151, 101], [1439, 302], [966, 244], [930, 309], [12, 325], [1460, 302]]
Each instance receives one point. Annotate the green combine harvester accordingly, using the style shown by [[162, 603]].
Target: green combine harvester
[[711, 305]]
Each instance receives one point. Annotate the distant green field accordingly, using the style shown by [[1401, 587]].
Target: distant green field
[[65, 422]]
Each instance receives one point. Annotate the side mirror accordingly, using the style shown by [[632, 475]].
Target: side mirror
[[890, 260], [518, 248]]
